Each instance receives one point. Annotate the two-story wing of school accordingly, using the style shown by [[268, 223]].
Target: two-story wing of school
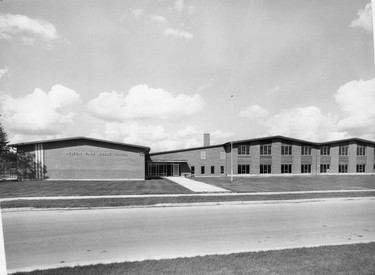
[[84, 158]]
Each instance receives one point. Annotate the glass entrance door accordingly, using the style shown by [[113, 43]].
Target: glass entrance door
[[176, 170]]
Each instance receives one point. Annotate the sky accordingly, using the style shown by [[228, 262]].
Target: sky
[[162, 73]]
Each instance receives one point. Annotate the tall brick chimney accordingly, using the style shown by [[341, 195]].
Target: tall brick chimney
[[206, 139]]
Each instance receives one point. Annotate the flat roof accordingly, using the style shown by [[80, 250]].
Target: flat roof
[[264, 139], [77, 138]]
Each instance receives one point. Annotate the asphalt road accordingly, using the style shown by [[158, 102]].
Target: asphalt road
[[45, 239]]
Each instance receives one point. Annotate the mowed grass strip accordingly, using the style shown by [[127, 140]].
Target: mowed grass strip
[[13, 189], [155, 201], [340, 259], [292, 183]]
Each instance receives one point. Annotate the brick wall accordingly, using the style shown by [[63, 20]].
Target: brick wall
[[83, 159]]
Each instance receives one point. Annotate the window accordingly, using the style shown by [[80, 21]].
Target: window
[[343, 168], [212, 169], [305, 168], [222, 155], [192, 169], [265, 150], [361, 168], [343, 151], [286, 168], [361, 151], [325, 151], [221, 169], [203, 154], [286, 150], [306, 150], [265, 168], [243, 169], [244, 150], [324, 168], [202, 170]]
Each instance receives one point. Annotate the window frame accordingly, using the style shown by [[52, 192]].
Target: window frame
[[243, 169], [222, 169], [284, 170], [212, 169], [286, 150], [265, 168], [341, 170], [266, 149], [361, 150], [203, 170], [324, 168], [343, 150], [323, 151], [361, 168], [244, 150], [306, 150], [306, 168], [192, 169]]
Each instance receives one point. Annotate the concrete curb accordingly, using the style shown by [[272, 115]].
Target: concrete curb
[[184, 195], [195, 204]]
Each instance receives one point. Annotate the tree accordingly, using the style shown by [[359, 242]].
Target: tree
[[8, 160], [3, 140]]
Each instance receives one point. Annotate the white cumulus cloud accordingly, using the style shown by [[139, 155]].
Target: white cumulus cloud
[[305, 123], [40, 112], [357, 100], [178, 33], [27, 29], [364, 19], [143, 102], [159, 137], [254, 112]]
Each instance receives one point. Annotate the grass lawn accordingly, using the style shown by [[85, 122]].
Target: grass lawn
[[292, 183], [16, 189], [342, 259], [122, 202]]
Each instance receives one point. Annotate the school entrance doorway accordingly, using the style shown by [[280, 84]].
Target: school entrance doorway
[[167, 169]]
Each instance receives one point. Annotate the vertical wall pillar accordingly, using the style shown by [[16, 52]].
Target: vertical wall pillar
[[276, 157], [296, 158], [352, 155], [370, 156], [334, 166], [315, 165], [254, 159]]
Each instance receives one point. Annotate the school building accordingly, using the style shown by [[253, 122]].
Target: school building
[[84, 158]]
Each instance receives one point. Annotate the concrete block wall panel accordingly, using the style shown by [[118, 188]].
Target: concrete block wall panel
[[255, 159], [315, 162], [235, 160], [276, 157], [93, 160], [193, 158], [334, 167], [296, 155], [352, 157], [370, 156]]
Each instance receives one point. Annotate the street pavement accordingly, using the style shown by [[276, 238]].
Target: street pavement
[[52, 238]]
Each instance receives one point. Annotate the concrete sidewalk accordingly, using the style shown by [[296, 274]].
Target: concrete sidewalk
[[196, 186], [184, 195]]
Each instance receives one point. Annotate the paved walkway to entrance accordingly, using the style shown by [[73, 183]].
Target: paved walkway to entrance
[[196, 186]]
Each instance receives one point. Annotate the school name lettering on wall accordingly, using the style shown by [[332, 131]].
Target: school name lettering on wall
[[97, 154]]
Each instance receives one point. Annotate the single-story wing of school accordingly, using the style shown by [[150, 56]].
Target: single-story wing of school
[[83, 158]]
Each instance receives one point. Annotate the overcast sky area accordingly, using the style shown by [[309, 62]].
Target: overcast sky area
[[161, 73]]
